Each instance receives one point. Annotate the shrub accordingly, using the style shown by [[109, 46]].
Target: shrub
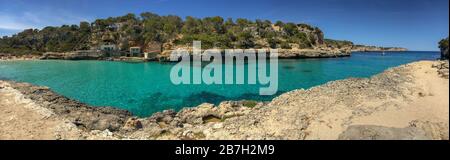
[[249, 103]]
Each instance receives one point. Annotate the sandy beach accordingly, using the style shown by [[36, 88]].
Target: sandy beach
[[405, 102]]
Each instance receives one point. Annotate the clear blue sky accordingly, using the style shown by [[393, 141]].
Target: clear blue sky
[[414, 24]]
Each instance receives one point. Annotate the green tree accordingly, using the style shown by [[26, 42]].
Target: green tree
[[443, 45], [85, 27]]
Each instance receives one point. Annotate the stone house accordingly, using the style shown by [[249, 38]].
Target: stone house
[[111, 50], [108, 47], [152, 50], [135, 52]]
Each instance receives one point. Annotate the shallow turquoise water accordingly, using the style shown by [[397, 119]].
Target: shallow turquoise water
[[145, 88]]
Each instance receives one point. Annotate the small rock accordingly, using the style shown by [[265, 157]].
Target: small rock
[[188, 134], [106, 133], [218, 126], [132, 124], [187, 125]]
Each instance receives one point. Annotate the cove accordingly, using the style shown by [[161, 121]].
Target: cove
[[145, 88]]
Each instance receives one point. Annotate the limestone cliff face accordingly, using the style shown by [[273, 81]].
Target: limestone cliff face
[[315, 35]]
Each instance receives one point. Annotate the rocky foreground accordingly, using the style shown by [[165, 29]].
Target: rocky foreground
[[406, 102]]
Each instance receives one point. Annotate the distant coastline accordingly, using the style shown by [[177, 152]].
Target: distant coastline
[[363, 48]]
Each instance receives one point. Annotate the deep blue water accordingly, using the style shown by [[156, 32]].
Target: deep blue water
[[145, 88]]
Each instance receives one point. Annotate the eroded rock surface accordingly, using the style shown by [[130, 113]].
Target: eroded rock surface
[[442, 67]]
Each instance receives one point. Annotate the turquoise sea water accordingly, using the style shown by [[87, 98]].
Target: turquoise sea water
[[145, 88]]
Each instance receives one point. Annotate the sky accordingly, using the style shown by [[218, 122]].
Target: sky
[[413, 24]]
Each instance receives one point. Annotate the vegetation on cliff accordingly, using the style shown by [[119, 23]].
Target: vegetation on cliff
[[443, 45], [55, 39], [169, 32], [338, 43]]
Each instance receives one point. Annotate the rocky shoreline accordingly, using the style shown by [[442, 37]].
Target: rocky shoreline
[[82, 115], [288, 53], [121, 122], [66, 56], [9, 57], [343, 109], [165, 56]]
